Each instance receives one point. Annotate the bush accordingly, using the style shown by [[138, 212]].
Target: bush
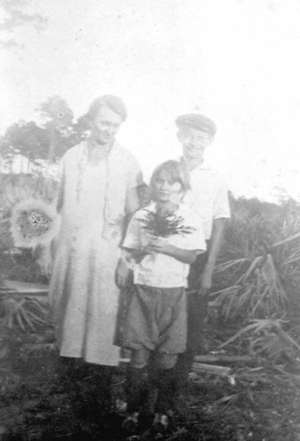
[[258, 275]]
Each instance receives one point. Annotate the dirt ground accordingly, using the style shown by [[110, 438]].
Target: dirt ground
[[257, 402]]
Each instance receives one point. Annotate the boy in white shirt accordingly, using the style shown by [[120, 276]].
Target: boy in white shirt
[[208, 197], [163, 239]]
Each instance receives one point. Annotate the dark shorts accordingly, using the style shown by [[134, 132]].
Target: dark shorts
[[156, 319]]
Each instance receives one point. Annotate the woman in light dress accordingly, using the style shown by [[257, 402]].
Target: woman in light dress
[[99, 181]]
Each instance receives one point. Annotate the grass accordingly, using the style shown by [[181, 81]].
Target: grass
[[40, 402]]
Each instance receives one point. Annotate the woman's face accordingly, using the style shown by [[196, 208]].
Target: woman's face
[[165, 190], [105, 126]]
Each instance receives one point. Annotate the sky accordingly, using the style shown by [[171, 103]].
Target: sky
[[236, 61]]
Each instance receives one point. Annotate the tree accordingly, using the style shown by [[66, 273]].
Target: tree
[[58, 121], [27, 139], [50, 140], [63, 132], [80, 131]]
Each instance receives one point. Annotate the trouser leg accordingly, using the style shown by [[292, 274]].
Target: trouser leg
[[196, 313]]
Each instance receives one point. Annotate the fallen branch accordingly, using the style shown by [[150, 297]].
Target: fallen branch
[[223, 358], [211, 369], [23, 288]]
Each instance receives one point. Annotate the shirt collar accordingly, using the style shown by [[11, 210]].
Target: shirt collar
[[203, 166], [152, 207]]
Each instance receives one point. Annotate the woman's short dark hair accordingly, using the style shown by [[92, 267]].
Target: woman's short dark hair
[[175, 171], [114, 103]]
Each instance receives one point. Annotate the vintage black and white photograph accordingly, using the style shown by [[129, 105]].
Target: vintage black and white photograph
[[149, 220]]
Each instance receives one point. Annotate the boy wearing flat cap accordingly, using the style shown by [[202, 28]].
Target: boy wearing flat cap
[[209, 198]]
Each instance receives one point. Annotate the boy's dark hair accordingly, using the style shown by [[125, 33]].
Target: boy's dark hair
[[114, 103], [176, 172]]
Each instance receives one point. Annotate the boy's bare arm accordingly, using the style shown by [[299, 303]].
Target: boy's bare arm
[[160, 245], [215, 245]]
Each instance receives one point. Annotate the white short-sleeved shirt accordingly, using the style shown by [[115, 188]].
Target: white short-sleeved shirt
[[208, 196], [160, 270]]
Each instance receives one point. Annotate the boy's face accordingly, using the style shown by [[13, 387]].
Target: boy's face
[[165, 190], [194, 142]]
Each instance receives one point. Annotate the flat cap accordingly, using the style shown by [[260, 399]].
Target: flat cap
[[197, 121]]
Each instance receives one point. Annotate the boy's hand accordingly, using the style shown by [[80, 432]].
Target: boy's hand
[[205, 284], [160, 245], [205, 280]]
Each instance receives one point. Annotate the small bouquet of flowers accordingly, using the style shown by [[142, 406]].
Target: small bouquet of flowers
[[161, 223]]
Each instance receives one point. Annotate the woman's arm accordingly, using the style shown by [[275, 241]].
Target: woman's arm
[[61, 186], [60, 196], [132, 200]]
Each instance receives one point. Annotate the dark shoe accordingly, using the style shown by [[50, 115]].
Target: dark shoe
[[163, 422], [120, 406], [131, 423]]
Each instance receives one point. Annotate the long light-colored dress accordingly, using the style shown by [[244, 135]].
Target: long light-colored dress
[[82, 288]]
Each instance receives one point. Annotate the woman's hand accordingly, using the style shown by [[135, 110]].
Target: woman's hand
[[123, 274]]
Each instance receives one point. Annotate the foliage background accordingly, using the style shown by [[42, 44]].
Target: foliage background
[[253, 312], [254, 309]]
